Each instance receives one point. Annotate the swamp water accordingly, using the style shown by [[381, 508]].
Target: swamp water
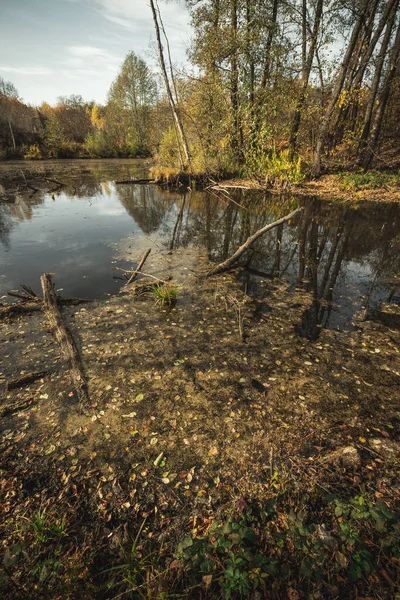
[[348, 257]]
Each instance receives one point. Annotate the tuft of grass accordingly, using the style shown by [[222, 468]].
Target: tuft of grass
[[165, 294], [135, 575], [44, 528], [168, 175]]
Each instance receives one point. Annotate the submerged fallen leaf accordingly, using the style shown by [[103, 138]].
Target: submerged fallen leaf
[[158, 459]]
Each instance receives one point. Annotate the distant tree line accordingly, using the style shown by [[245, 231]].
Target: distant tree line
[[277, 84], [124, 127]]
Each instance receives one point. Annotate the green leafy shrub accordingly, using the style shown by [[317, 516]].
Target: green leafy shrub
[[228, 557], [277, 169]]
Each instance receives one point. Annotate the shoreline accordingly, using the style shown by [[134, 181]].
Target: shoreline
[[326, 188], [329, 187]]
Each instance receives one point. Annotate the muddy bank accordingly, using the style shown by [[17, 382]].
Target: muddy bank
[[193, 420], [331, 188]]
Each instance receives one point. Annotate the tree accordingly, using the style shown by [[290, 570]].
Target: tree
[[132, 98], [74, 101], [180, 133], [8, 89], [371, 143]]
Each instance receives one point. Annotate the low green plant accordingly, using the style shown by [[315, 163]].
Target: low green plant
[[132, 575], [368, 180], [347, 539], [228, 557], [45, 528], [33, 153], [166, 294]]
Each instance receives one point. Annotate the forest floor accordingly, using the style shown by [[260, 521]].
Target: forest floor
[[342, 187], [257, 466]]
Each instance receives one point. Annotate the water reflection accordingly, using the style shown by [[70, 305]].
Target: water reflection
[[347, 258]]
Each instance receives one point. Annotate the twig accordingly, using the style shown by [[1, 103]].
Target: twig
[[152, 277]]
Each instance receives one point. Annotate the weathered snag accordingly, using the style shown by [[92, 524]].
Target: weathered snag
[[64, 337]]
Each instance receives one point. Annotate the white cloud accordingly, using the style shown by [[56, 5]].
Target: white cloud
[[27, 70], [117, 20], [83, 61], [87, 51], [136, 16]]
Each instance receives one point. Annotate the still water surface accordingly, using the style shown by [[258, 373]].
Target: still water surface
[[348, 257]]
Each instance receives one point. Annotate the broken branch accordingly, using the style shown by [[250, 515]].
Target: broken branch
[[25, 379], [140, 265], [232, 259]]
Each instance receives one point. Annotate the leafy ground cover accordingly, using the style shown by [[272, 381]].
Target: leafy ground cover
[[211, 462]]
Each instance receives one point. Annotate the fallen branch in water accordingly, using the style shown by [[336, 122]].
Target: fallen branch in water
[[25, 379], [233, 187], [135, 181], [64, 337], [138, 268], [12, 310], [232, 259], [33, 304], [157, 279], [58, 183]]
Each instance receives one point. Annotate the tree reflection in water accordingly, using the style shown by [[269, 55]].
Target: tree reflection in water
[[348, 258]]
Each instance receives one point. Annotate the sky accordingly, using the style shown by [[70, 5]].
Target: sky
[[51, 48]]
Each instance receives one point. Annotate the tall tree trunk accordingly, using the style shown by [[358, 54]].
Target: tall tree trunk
[[304, 40], [306, 76], [175, 113], [234, 83], [364, 52], [384, 95], [340, 79], [250, 54], [370, 47], [12, 135], [268, 46], [169, 54], [375, 83]]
